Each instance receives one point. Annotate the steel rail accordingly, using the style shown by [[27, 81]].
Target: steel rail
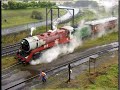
[[8, 51], [11, 45], [16, 64]]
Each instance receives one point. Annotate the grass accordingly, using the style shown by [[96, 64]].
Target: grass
[[7, 61], [107, 81], [105, 78], [13, 38], [111, 37], [17, 37], [22, 16], [86, 15]]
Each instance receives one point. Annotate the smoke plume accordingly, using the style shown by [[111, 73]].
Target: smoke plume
[[53, 53], [109, 5]]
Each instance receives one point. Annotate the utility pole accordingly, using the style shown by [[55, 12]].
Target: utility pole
[[69, 71], [51, 19], [119, 44]]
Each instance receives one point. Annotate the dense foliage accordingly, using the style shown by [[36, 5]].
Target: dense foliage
[[5, 6], [17, 5], [24, 5], [36, 15]]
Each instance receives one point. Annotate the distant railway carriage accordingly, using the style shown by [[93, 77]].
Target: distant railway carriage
[[83, 32], [102, 24], [96, 26], [31, 47]]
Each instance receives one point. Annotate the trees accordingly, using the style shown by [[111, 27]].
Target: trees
[[23, 5], [16, 5], [5, 6]]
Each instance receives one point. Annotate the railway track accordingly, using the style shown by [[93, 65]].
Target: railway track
[[10, 49], [8, 70], [63, 66]]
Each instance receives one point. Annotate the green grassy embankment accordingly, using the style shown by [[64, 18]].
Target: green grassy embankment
[[7, 61], [107, 81], [111, 37], [23, 16]]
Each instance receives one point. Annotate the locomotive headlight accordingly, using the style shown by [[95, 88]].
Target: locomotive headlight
[[25, 45]]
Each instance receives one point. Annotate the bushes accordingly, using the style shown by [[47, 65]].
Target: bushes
[[36, 15], [5, 6], [23, 5], [16, 5]]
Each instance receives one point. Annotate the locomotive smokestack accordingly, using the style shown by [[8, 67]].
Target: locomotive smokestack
[[32, 29]]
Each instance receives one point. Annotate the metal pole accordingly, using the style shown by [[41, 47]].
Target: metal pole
[[51, 19], [46, 19], [89, 66], [73, 17], [94, 64], [119, 44], [69, 67]]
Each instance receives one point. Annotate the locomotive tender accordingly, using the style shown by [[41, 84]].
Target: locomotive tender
[[31, 47]]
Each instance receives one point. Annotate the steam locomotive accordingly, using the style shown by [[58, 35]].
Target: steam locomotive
[[31, 47]]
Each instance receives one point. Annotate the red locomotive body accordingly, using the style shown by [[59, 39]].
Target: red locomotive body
[[34, 45]]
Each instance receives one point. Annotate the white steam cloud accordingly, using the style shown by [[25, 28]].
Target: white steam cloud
[[102, 29], [108, 4], [96, 12], [51, 54], [32, 29]]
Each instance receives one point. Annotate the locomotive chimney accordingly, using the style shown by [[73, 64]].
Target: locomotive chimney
[[32, 29]]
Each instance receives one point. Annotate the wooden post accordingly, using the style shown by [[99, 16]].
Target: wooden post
[[93, 59]]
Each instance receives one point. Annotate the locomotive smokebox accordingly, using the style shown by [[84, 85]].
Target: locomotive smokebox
[[31, 43]]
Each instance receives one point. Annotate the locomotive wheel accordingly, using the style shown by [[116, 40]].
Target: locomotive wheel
[[24, 63]]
